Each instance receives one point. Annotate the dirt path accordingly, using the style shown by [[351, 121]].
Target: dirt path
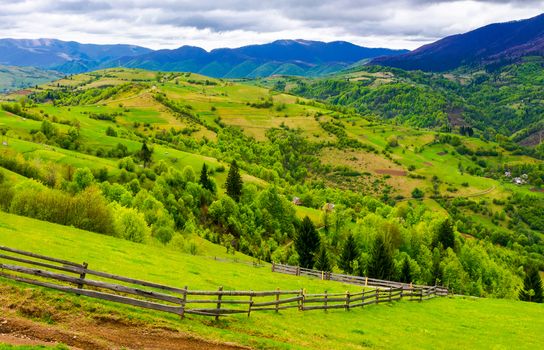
[[16, 330], [27, 318]]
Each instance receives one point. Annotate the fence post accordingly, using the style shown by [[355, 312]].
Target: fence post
[[347, 300], [326, 297], [82, 275], [377, 296], [322, 275], [390, 291], [183, 302], [250, 302], [301, 301], [219, 297], [277, 299], [298, 271], [421, 295], [366, 281], [273, 266]]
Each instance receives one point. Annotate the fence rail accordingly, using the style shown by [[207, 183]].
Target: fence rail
[[356, 280], [71, 277]]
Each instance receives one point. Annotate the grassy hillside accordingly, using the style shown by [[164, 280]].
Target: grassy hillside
[[483, 323], [16, 78], [502, 104], [82, 138]]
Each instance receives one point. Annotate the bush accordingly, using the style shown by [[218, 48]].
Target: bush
[[88, 210], [131, 225], [417, 193], [111, 132], [392, 141]]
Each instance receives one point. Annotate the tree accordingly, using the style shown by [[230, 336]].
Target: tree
[[307, 243], [532, 287], [350, 253], [83, 178], [445, 235], [381, 261], [48, 129], [205, 180], [323, 262], [417, 193], [146, 154], [406, 271], [234, 182]]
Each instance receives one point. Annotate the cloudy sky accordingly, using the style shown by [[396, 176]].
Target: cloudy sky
[[231, 23]]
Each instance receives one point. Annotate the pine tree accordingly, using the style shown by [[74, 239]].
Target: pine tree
[[323, 263], [406, 272], [234, 182], [350, 252], [532, 287], [146, 154], [381, 261], [307, 243], [205, 180], [445, 235]]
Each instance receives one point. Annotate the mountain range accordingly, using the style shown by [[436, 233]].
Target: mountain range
[[293, 57], [493, 45], [62, 56]]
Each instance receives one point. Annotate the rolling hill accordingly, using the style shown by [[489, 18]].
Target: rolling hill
[[74, 184], [12, 77], [64, 56], [493, 45], [285, 57]]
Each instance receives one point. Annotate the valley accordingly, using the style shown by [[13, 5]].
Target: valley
[[204, 169]]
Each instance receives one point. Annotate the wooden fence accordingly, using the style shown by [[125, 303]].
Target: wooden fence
[[356, 280], [43, 271]]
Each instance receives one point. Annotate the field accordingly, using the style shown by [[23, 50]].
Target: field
[[353, 174], [438, 323]]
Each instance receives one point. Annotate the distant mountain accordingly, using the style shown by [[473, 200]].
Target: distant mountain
[[64, 56], [287, 57], [495, 44], [15, 78]]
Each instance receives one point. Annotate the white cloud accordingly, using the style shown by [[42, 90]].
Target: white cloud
[[231, 23]]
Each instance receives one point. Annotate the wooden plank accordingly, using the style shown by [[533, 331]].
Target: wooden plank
[[218, 304], [134, 281], [183, 300], [250, 305], [42, 257], [99, 284], [215, 301], [72, 269], [274, 308], [241, 293], [328, 294], [321, 300], [98, 295], [277, 302]]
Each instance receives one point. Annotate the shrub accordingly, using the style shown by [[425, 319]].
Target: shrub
[[131, 225], [417, 193], [87, 210], [111, 132], [392, 141]]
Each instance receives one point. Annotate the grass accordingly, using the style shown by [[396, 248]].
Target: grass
[[438, 323], [32, 347]]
